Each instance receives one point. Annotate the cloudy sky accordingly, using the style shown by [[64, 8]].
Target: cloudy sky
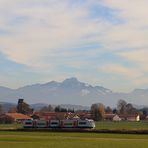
[[101, 42]]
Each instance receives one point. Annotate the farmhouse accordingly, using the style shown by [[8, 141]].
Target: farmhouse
[[82, 115], [134, 117], [60, 115], [50, 115], [112, 117], [13, 117], [146, 118]]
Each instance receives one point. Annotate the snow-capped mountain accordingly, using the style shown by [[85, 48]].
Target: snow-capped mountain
[[71, 91]]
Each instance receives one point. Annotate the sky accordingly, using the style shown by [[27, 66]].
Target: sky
[[101, 42]]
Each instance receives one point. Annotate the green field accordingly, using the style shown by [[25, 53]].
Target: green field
[[47, 139], [10, 126], [70, 140], [122, 125]]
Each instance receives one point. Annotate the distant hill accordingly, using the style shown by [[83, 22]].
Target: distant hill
[[7, 106], [38, 106], [71, 91]]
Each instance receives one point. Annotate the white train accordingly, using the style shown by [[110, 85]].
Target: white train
[[87, 123]]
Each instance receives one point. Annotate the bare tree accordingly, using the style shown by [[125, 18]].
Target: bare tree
[[98, 111], [57, 108], [48, 108], [121, 106], [145, 111], [108, 110], [125, 108], [44, 109], [1, 109], [130, 109]]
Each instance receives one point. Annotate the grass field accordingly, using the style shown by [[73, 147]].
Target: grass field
[[122, 125], [10, 126], [70, 140], [46, 139]]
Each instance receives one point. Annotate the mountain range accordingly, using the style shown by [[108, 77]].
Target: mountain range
[[71, 91]]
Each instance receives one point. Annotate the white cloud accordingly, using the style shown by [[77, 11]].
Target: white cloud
[[133, 10], [46, 31], [128, 38], [124, 78], [139, 57], [132, 31], [126, 72], [143, 81]]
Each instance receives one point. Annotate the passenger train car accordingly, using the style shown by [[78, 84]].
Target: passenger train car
[[74, 123]]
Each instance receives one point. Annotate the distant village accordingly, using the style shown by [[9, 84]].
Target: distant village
[[98, 112]]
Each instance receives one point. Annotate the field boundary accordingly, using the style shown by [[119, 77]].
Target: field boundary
[[111, 131]]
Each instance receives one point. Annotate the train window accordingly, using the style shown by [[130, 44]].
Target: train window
[[41, 123], [28, 123], [54, 123], [67, 123], [82, 123]]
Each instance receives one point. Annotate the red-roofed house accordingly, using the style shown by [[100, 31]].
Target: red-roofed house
[[61, 115], [83, 115], [50, 115], [134, 117], [112, 117], [13, 117]]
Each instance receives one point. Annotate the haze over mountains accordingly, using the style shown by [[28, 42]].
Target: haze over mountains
[[71, 91]]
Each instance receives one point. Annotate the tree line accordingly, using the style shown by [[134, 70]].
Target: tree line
[[24, 108], [98, 110], [58, 108]]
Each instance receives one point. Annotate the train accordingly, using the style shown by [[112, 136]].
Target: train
[[66, 123]]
